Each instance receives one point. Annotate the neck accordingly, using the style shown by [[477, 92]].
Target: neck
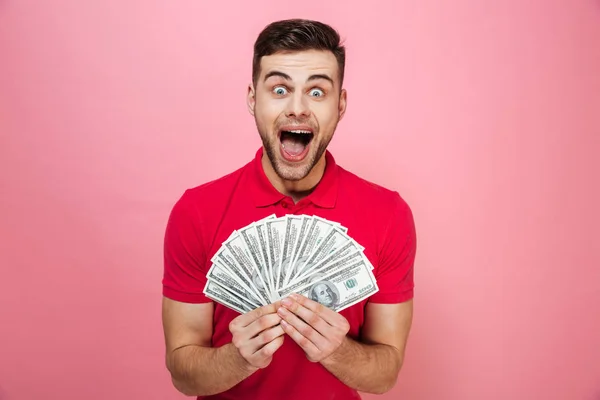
[[297, 190]]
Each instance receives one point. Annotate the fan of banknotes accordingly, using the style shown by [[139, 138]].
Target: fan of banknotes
[[271, 258]]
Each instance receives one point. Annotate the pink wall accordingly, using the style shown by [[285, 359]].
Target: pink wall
[[484, 115]]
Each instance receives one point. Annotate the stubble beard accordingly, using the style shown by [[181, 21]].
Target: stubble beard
[[284, 170]]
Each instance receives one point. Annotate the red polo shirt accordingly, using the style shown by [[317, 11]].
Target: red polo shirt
[[204, 217]]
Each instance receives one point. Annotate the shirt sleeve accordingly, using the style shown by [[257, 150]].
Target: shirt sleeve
[[185, 264], [396, 257]]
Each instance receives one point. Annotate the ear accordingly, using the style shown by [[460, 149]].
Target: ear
[[251, 99], [342, 104]]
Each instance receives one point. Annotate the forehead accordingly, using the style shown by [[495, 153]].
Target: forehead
[[300, 65]]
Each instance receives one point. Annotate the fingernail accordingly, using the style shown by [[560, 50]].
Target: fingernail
[[286, 302], [281, 311], [294, 296]]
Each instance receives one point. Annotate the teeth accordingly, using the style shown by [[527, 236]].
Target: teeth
[[303, 132]]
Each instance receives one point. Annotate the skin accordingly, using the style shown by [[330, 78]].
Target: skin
[[297, 88], [321, 333], [196, 368], [288, 92]]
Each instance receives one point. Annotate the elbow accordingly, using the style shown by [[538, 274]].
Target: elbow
[[391, 379], [179, 381], [384, 386], [182, 385], [389, 384], [385, 381], [188, 389], [388, 380], [191, 387], [184, 388]]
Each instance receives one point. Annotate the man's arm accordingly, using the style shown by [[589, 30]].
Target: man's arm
[[380, 353], [196, 368], [371, 365]]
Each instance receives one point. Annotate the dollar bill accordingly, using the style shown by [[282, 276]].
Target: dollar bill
[[242, 257], [259, 270], [343, 288], [218, 293], [225, 278], [317, 230], [334, 240], [261, 234], [331, 268], [270, 258], [275, 239], [349, 247], [231, 260], [293, 224], [304, 225]]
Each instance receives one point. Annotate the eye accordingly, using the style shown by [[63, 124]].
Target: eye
[[316, 92], [280, 90]]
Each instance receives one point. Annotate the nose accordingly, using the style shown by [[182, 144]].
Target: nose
[[297, 106]]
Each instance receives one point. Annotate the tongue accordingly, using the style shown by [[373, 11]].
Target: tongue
[[291, 146]]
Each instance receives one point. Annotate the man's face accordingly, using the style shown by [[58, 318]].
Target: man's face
[[297, 103], [324, 294]]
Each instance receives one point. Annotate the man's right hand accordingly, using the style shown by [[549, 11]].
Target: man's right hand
[[257, 335]]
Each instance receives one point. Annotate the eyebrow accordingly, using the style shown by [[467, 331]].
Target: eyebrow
[[288, 78]]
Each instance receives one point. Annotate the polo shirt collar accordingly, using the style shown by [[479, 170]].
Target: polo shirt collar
[[324, 195]]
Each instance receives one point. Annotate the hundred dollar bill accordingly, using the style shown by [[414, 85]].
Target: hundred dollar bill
[[241, 255], [226, 257], [216, 292], [316, 231], [343, 288], [329, 269], [350, 247], [335, 239], [304, 225], [275, 239], [334, 223], [260, 272], [293, 223], [221, 275], [261, 234]]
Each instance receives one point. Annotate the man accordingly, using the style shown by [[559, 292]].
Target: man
[[322, 293], [295, 348]]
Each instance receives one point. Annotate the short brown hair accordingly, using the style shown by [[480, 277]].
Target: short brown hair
[[297, 35]]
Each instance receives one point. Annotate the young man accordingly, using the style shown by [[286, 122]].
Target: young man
[[296, 348]]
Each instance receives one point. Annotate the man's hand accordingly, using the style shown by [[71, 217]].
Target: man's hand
[[318, 330], [257, 335]]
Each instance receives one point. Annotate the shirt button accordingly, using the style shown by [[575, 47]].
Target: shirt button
[[284, 205]]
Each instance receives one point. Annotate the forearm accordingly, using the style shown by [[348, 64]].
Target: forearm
[[370, 368], [203, 371]]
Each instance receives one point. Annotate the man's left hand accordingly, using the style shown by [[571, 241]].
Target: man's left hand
[[318, 330]]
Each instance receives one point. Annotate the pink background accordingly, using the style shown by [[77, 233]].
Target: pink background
[[485, 115]]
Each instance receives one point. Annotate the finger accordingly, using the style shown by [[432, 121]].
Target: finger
[[261, 324], [265, 337], [248, 318], [269, 349], [327, 314], [304, 329], [308, 346], [310, 317]]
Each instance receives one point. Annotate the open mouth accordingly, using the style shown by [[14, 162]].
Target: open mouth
[[295, 143]]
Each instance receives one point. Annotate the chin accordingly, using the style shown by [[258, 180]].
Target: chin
[[292, 172], [289, 171]]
